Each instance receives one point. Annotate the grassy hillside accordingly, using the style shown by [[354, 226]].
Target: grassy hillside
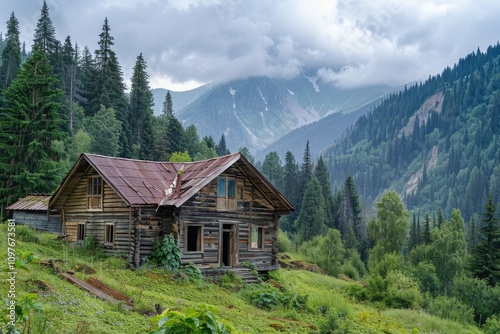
[[68, 309]]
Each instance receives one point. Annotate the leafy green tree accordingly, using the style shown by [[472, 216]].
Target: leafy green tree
[[141, 112], [205, 152], [81, 143], [30, 124], [325, 250], [109, 88], [485, 261], [389, 229], [180, 157], [104, 129], [168, 108], [271, 168], [11, 54], [312, 218]]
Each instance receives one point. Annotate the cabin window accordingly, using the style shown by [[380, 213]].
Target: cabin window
[[194, 238], [109, 233], [256, 237], [80, 232], [226, 193], [94, 192]]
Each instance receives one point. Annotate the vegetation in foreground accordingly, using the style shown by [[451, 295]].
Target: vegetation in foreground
[[291, 300]]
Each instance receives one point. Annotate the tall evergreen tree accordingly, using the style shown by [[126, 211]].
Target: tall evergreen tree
[[141, 112], [87, 74], [175, 136], [221, 148], [168, 108], [30, 125], [11, 54], [426, 235], [485, 261], [109, 86], [290, 190], [312, 218], [45, 36], [70, 78], [306, 173], [272, 169], [323, 177]]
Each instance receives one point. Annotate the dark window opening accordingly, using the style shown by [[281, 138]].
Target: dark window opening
[[80, 233], [193, 238], [109, 234]]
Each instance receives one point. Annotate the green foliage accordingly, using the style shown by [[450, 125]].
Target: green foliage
[[166, 253], [268, 297], [353, 257], [402, 291], [271, 168], [192, 271], [312, 217], [424, 273], [389, 262], [200, 319], [26, 234], [180, 157], [284, 242], [451, 308], [325, 251], [231, 281], [492, 325], [348, 269], [24, 313], [105, 130]]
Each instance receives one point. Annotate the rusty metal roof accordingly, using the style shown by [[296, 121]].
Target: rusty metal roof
[[31, 203], [141, 182]]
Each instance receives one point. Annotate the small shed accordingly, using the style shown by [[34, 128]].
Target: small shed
[[32, 211]]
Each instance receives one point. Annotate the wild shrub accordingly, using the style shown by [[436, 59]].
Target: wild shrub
[[348, 269], [192, 271], [26, 234], [269, 297], [231, 281], [451, 308], [285, 244], [492, 325], [199, 319], [166, 253], [402, 291]]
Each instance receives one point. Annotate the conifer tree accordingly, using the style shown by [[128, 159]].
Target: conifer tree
[[485, 262], [141, 112], [69, 78], [472, 235], [30, 124], [109, 87], [271, 168], [290, 190], [221, 148], [426, 236], [168, 105], [305, 175], [87, 74], [312, 218], [174, 136], [45, 37], [11, 54]]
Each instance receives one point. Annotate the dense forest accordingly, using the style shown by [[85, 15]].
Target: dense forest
[[406, 201]]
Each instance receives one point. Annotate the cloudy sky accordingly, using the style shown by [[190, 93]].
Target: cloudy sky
[[349, 43]]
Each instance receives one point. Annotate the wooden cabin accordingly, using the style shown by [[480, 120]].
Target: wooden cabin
[[222, 211], [32, 211]]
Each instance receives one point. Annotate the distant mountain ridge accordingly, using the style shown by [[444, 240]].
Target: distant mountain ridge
[[257, 111]]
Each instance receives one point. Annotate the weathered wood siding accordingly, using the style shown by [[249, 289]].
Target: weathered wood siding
[[252, 208], [114, 211], [38, 220]]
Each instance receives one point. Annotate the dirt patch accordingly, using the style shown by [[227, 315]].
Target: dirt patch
[[284, 262], [87, 270]]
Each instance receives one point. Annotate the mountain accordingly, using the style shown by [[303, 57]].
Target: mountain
[[257, 111], [437, 143]]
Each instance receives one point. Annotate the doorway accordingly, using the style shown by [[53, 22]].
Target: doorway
[[228, 245]]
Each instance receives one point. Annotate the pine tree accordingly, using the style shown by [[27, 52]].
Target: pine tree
[[221, 148], [109, 87], [323, 177], [30, 124], [272, 170], [312, 218], [168, 105], [175, 136], [472, 235], [426, 236], [305, 175], [290, 190], [45, 37], [11, 54], [86, 75], [485, 262], [69, 79], [141, 112]]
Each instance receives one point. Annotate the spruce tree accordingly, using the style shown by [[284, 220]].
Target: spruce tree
[[312, 218], [86, 75], [168, 105], [69, 78], [485, 261], [30, 125], [221, 148], [290, 190], [174, 136], [141, 112], [426, 236], [272, 170], [109, 87], [323, 177], [305, 175], [45, 37], [11, 54]]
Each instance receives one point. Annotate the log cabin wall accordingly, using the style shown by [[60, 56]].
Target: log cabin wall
[[114, 212], [252, 209]]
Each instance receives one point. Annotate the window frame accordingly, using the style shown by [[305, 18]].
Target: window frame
[[261, 232], [199, 241], [98, 196], [106, 233], [79, 236], [228, 198]]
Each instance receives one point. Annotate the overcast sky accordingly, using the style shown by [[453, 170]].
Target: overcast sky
[[346, 42]]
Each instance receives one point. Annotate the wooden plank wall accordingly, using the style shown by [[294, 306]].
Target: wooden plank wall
[[38, 220], [252, 209]]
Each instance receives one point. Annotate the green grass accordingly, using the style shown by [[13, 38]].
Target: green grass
[[68, 309]]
